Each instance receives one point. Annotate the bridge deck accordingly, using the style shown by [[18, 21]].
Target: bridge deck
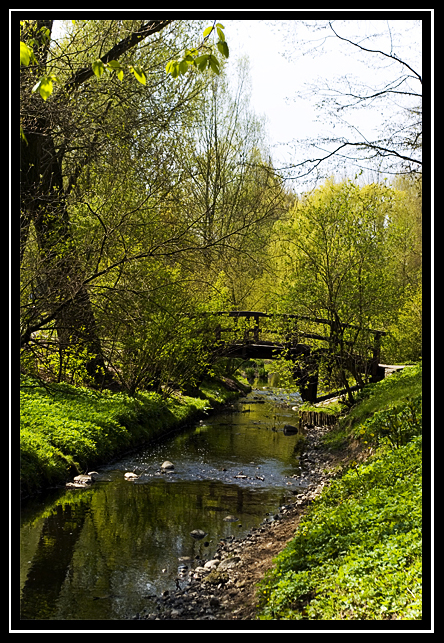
[[250, 346]]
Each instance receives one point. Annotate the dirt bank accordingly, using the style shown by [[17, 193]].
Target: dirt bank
[[225, 587]]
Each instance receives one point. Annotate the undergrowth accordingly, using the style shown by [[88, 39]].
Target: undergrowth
[[65, 429], [357, 553]]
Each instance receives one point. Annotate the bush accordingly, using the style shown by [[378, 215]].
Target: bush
[[396, 425]]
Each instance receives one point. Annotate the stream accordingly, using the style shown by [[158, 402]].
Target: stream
[[107, 551]]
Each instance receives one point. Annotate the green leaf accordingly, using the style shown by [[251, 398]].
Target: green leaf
[[202, 61], [44, 86], [221, 34], [175, 69], [115, 66], [214, 64], [220, 26], [25, 54], [98, 67], [139, 74], [183, 66], [207, 31], [223, 48], [172, 68]]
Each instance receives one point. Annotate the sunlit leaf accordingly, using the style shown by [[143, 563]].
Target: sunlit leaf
[[45, 87], [25, 54], [98, 67], [139, 74]]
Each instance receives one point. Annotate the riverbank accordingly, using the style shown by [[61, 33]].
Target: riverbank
[[67, 430], [347, 548], [225, 588]]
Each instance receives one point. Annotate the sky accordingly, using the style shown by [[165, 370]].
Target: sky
[[287, 55], [281, 71]]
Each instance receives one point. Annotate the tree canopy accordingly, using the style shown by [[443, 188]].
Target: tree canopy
[[149, 196]]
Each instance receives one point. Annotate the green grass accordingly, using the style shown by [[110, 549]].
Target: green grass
[[357, 553], [66, 429], [392, 392]]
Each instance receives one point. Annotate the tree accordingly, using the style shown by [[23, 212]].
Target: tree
[[44, 191], [227, 187], [334, 266], [57, 144], [348, 103], [137, 227]]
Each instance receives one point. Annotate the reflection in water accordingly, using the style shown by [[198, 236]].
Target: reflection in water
[[101, 553]]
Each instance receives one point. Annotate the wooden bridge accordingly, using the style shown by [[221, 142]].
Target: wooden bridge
[[252, 340]]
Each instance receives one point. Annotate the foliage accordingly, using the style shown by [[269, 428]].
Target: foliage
[[340, 259], [191, 57], [335, 253], [115, 270], [404, 343], [391, 391], [397, 424], [195, 57], [357, 553]]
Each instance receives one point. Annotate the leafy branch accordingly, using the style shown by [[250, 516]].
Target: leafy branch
[[193, 57], [109, 63]]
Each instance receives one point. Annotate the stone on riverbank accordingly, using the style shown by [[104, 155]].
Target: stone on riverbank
[[129, 475]]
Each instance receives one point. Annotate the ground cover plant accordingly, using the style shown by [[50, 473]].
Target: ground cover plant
[[357, 553], [65, 430]]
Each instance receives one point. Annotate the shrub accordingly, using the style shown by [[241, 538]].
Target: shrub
[[396, 425]]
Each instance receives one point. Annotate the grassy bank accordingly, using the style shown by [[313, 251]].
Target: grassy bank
[[357, 553], [65, 430]]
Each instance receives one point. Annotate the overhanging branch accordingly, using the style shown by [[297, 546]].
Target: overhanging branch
[[124, 45]]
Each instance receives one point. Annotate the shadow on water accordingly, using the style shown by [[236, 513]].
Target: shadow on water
[[103, 552]]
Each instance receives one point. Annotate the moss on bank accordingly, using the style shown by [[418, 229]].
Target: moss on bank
[[65, 430]]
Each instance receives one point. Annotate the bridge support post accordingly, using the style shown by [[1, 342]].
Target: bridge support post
[[377, 373], [310, 393]]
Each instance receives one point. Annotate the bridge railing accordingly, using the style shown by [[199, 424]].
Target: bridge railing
[[256, 329], [292, 327]]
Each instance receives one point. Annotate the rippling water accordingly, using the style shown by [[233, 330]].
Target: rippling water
[[102, 552]]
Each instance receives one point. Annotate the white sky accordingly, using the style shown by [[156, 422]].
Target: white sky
[[280, 73]]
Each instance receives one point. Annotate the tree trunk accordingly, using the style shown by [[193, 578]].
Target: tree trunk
[[43, 202]]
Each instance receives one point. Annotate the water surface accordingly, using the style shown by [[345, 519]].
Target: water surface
[[105, 551]]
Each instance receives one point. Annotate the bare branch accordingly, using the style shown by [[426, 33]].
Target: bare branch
[[377, 51]]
